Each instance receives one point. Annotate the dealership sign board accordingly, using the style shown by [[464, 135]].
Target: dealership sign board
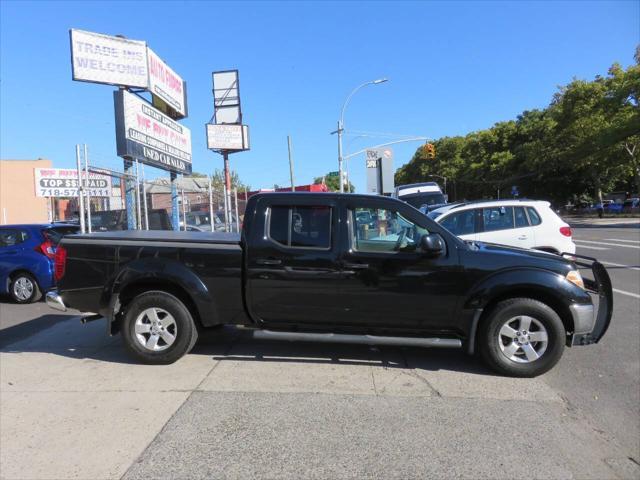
[[166, 84], [148, 135], [227, 137], [105, 59], [379, 163], [63, 182]]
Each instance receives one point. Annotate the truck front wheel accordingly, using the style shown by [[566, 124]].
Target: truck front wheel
[[158, 328], [521, 337]]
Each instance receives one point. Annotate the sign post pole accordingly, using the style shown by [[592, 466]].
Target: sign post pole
[[80, 193], [227, 185], [138, 203], [130, 194], [175, 215]]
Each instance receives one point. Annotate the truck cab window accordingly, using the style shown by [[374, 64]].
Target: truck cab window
[[381, 230], [301, 226]]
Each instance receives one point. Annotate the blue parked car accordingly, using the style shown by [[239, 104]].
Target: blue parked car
[[26, 258]]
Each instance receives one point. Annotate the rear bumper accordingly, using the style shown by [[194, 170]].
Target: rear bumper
[[55, 301], [591, 325]]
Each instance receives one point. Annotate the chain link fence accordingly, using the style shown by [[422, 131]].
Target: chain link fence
[[200, 206]]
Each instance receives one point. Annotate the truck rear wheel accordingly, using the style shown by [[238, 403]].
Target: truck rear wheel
[[521, 337], [158, 328]]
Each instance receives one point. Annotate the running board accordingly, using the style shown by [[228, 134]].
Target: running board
[[360, 339]]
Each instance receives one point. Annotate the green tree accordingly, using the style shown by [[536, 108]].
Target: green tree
[[217, 181], [332, 183], [586, 141]]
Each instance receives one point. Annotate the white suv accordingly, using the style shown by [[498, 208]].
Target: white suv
[[516, 223]]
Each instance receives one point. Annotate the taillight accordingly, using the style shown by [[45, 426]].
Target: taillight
[[60, 263], [566, 231], [47, 249]]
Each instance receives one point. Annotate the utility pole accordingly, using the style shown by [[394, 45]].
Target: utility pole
[[290, 164], [340, 156]]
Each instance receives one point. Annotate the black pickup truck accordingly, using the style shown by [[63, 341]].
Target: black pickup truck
[[335, 268]]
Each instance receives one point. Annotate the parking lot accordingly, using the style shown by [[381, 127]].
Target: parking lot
[[72, 405]]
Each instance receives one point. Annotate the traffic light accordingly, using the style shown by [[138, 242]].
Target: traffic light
[[430, 150]]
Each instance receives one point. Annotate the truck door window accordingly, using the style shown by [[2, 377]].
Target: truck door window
[[381, 230], [301, 226]]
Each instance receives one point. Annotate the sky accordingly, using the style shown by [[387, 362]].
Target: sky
[[453, 67]]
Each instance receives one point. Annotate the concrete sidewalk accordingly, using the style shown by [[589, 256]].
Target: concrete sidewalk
[[73, 406]]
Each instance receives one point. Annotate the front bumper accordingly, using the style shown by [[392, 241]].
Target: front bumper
[[55, 301], [591, 325]]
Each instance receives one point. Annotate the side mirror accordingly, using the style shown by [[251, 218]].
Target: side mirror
[[432, 244]]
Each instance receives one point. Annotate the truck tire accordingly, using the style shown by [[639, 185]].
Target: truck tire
[[24, 288], [521, 337], [158, 328]]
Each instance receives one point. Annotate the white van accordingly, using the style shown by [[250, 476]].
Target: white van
[[419, 195]]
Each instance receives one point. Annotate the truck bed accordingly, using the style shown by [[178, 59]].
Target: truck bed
[[220, 238]]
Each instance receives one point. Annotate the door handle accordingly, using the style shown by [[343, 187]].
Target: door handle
[[268, 261], [522, 237], [355, 266]]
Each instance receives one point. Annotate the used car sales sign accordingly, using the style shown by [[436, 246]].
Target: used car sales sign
[[63, 182], [146, 134]]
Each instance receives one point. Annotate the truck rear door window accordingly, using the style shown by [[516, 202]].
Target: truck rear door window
[[301, 226]]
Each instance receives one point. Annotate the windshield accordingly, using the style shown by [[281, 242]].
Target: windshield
[[433, 215], [427, 198]]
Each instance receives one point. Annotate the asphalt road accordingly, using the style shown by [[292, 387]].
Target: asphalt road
[[603, 380], [72, 405]]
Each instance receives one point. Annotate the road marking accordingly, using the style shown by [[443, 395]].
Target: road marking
[[622, 292], [620, 240], [619, 265], [593, 248], [605, 243]]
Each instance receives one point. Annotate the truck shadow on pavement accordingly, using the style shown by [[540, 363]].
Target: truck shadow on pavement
[[64, 336], [241, 347]]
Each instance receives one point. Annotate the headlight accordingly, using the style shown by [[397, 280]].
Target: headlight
[[574, 277]]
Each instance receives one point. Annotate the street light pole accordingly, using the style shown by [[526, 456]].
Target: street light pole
[[341, 126], [444, 178]]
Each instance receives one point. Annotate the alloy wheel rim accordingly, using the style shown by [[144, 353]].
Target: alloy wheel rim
[[23, 288], [523, 339], [155, 329]]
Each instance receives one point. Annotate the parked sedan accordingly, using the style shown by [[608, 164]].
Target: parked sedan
[[516, 223], [26, 259]]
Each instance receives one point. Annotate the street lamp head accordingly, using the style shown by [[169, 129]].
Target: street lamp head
[[380, 80]]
